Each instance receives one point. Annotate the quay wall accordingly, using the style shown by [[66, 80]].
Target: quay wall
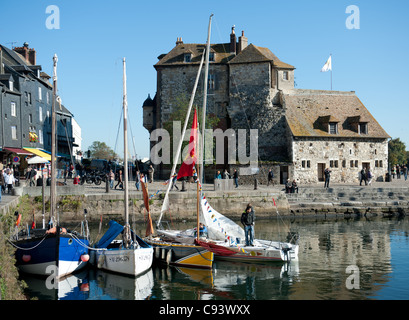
[[309, 201]]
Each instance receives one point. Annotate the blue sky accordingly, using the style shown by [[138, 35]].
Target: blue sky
[[95, 35]]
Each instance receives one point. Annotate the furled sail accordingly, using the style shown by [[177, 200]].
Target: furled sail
[[220, 227]]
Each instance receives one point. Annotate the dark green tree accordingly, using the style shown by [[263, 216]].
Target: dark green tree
[[100, 150], [397, 152], [179, 110]]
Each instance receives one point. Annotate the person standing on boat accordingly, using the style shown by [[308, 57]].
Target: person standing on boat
[[247, 219]]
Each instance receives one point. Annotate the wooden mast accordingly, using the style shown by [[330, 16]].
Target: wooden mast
[[53, 187], [200, 172], [206, 75], [125, 173]]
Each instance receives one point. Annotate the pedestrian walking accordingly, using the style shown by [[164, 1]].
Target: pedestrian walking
[[10, 180], [405, 172], [120, 184], [236, 178], [151, 171], [369, 177], [111, 177], [218, 175], [363, 177], [1, 183], [33, 174], [270, 177], [174, 180], [327, 176], [138, 180], [247, 219]]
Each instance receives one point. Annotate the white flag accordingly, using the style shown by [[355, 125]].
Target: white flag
[[327, 66]]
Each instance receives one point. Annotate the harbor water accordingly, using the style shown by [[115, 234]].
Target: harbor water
[[340, 258]]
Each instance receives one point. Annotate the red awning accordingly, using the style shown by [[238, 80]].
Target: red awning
[[18, 151]]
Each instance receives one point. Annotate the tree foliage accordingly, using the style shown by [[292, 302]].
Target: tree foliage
[[100, 150], [397, 152], [179, 110]]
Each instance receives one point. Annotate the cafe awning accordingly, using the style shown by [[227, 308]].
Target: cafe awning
[[39, 153], [19, 151], [37, 160]]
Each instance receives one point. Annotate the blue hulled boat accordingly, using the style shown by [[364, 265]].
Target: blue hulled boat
[[54, 251]]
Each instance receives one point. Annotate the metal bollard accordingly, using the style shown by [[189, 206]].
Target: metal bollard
[[183, 186], [107, 184], [255, 183]]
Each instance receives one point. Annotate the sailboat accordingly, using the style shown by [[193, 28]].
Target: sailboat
[[227, 240], [130, 255], [55, 250], [175, 252]]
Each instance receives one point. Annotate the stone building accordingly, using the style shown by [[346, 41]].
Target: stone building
[[300, 132]]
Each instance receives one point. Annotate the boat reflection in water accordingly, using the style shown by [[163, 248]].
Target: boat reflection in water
[[92, 284], [113, 286], [226, 281]]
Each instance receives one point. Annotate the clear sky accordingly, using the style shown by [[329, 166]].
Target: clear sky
[[95, 35]]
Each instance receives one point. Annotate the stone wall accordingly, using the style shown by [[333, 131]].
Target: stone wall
[[345, 158], [253, 106], [177, 83]]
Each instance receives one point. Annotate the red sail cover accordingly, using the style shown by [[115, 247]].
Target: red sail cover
[[216, 249], [186, 169], [149, 227]]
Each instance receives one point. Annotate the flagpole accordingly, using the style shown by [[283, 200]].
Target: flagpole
[[331, 70]]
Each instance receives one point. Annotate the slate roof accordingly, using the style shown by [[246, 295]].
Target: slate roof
[[250, 54], [177, 54], [306, 112], [254, 53]]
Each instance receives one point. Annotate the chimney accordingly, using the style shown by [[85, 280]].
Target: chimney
[[32, 56], [179, 41], [232, 41], [27, 53], [243, 43]]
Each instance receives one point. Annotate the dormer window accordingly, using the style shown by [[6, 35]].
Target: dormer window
[[188, 57], [285, 75], [359, 124], [333, 128], [363, 128], [11, 85], [328, 124]]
